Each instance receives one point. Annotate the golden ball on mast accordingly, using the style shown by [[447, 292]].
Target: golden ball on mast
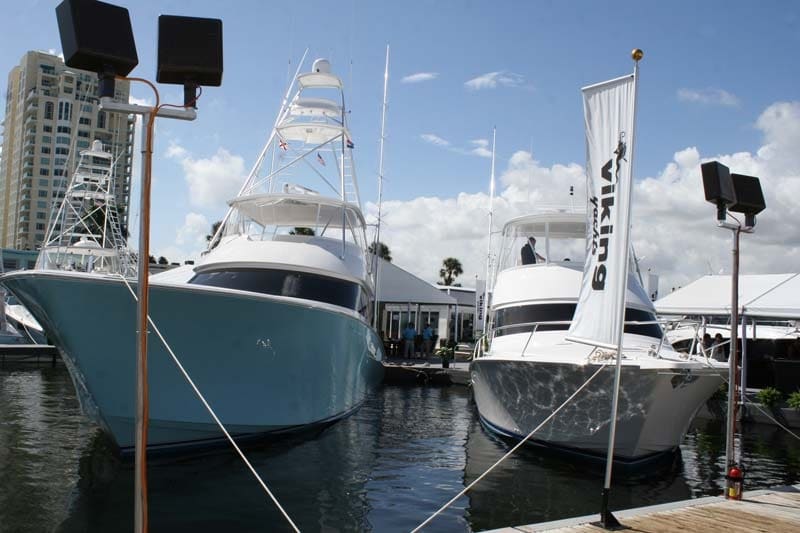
[[637, 54]]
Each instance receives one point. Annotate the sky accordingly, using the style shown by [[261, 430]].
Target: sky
[[719, 81]]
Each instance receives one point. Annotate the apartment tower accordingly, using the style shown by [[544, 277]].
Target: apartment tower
[[51, 114]]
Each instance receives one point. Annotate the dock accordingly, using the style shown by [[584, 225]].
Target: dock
[[28, 353], [774, 510], [420, 371]]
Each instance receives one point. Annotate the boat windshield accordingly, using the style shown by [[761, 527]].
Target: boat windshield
[[274, 216], [543, 239]]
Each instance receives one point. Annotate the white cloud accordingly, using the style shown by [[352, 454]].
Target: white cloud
[[480, 148], [708, 96], [490, 80], [212, 181], [420, 77], [674, 230], [434, 139], [194, 230]]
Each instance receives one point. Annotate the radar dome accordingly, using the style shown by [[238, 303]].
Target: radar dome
[[321, 65]]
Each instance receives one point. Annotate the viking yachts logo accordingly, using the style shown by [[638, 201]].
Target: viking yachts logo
[[602, 210]]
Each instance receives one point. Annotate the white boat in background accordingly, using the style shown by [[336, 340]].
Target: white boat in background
[[530, 368], [273, 322]]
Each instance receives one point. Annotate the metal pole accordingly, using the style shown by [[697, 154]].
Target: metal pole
[[375, 250], [489, 244], [607, 519], [732, 360], [142, 393]]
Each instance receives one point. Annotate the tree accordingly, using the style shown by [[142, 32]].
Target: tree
[[214, 227], [383, 251], [152, 260], [451, 268], [163, 260]]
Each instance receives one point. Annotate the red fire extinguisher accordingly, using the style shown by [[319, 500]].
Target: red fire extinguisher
[[735, 479]]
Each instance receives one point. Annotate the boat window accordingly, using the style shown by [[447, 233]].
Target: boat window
[[287, 283], [562, 313]]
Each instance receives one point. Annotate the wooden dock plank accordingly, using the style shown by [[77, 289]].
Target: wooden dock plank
[[773, 511]]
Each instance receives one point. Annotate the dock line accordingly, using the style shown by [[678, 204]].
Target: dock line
[[213, 414], [508, 454]]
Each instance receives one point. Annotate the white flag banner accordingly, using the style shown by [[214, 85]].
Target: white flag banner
[[609, 116], [480, 295]]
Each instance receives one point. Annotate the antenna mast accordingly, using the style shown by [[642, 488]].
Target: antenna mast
[[380, 188], [489, 246]]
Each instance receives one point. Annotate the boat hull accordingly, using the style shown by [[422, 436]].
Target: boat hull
[[656, 406], [265, 364]]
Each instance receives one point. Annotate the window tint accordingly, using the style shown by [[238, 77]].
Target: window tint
[[563, 313], [287, 283]]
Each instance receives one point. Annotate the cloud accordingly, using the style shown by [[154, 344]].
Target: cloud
[[420, 77], [491, 80], [708, 96], [193, 232], [212, 181], [481, 148], [673, 229], [434, 139]]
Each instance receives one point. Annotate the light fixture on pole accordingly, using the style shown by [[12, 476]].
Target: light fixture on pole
[[740, 194], [98, 37]]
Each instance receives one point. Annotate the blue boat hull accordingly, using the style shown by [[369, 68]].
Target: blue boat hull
[[265, 364]]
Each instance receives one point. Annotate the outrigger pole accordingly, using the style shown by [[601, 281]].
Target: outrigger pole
[[375, 250]]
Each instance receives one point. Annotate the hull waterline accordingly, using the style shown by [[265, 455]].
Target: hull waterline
[[265, 364]]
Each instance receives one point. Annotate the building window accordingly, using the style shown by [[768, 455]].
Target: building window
[[101, 120], [45, 149], [42, 193], [48, 129], [44, 171], [62, 140], [62, 151], [44, 161], [48, 69], [48, 110], [40, 215], [83, 144], [85, 121], [41, 204], [43, 183], [60, 161], [46, 139], [67, 90], [64, 111], [86, 108], [64, 129], [40, 226]]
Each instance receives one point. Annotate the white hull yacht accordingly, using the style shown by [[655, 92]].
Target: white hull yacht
[[272, 323], [530, 368]]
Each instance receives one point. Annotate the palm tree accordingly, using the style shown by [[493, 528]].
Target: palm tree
[[214, 227], [383, 251], [451, 268]]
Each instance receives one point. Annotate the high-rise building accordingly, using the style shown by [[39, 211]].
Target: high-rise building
[[52, 113]]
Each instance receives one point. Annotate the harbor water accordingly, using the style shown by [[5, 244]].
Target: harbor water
[[386, 468]]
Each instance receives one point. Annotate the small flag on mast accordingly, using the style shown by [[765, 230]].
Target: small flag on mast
[[319, 158], [284, 145], [350, 144]]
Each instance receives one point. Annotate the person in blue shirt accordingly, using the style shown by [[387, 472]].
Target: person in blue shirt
[[409, 334], [427, 339]]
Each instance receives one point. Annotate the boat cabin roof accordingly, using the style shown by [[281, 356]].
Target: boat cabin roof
[[319, 80], [302, 210], [556, 225]]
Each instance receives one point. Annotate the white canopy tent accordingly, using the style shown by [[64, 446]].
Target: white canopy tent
[[760, 296]]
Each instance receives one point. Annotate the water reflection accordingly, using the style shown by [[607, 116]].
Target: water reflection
[[386, 468]]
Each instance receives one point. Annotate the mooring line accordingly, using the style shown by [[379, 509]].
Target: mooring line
[[213, 415], [512, 450]]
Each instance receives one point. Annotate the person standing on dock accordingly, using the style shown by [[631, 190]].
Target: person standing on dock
[[409, 335], [427, 340]]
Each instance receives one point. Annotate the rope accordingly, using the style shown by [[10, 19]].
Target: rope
[[508, 454], [213, 415]]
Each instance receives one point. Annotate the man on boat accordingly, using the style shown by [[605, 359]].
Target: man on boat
[[409, 335], [529, 254]]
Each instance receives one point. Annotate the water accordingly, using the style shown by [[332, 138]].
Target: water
[[386, 468]]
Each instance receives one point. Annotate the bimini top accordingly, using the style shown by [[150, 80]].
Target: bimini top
[[558, 225], [320, 76], [301, 210]]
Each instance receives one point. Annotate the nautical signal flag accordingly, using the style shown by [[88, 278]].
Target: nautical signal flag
[[319, 158], [350, 144], [284, 145]]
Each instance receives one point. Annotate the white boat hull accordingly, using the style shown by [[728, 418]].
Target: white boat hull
[[264, 363], [656, 406]]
